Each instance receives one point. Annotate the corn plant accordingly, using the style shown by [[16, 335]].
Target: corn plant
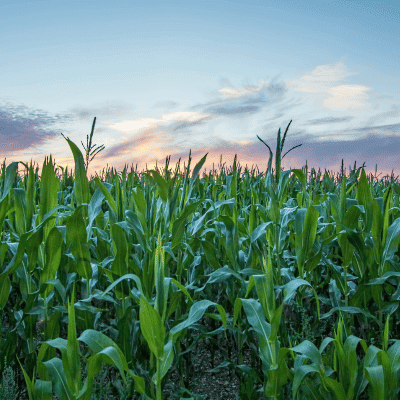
[[89, 147], [121, 270]]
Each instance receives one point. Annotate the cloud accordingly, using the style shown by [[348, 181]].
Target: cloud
[[264, 107], [147, 137], [180, 126], [323, 80], [166, 104], [141, 146], [394, 112], [329, 120], [346, 97], [246, 101], [169, 122], [133, 126], [231, 92], [379, 147], [22, 128], [183, 116], [109, 108]]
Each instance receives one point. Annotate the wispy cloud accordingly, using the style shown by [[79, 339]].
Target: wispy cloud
[[265, 107], [166, 104], [22, 128], [324, 78], [108, 109]]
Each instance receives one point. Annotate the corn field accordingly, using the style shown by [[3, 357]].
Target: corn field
[[135, 271]]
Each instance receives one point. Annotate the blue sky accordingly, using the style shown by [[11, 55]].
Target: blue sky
[[167, 77]]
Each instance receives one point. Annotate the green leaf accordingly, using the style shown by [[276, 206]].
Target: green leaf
[[28, 381], [81, 184], [43, 390], [256, 318], [5, 286], [20, 210], [111, 356], [306, 229], [10, 175], [53, 258], [259, 231], [72, 361], [300, 374], [376, 379], [98, 341], [48, 194], [182, 288], [351, 310], [394, 356], [310, 350], [301, 177], [364, 197], [57, 374], [77, 239], [237, 307], [127, 276], [275, 322], [152, 327], [178, 227], [196, 170], [166, 361], [392, 242], [195, 313], [291, 287], [265, 288], [162, 185], [58, 343], [106, 194], [336, 387]]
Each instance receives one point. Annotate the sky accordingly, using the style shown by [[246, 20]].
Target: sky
[[166, 78]]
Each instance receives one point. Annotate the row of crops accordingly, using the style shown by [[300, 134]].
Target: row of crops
[[121, 271]]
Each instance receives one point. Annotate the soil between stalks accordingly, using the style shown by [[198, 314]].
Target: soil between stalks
[[211, 385]]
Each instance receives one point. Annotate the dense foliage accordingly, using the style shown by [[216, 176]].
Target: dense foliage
[[122, 270]]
